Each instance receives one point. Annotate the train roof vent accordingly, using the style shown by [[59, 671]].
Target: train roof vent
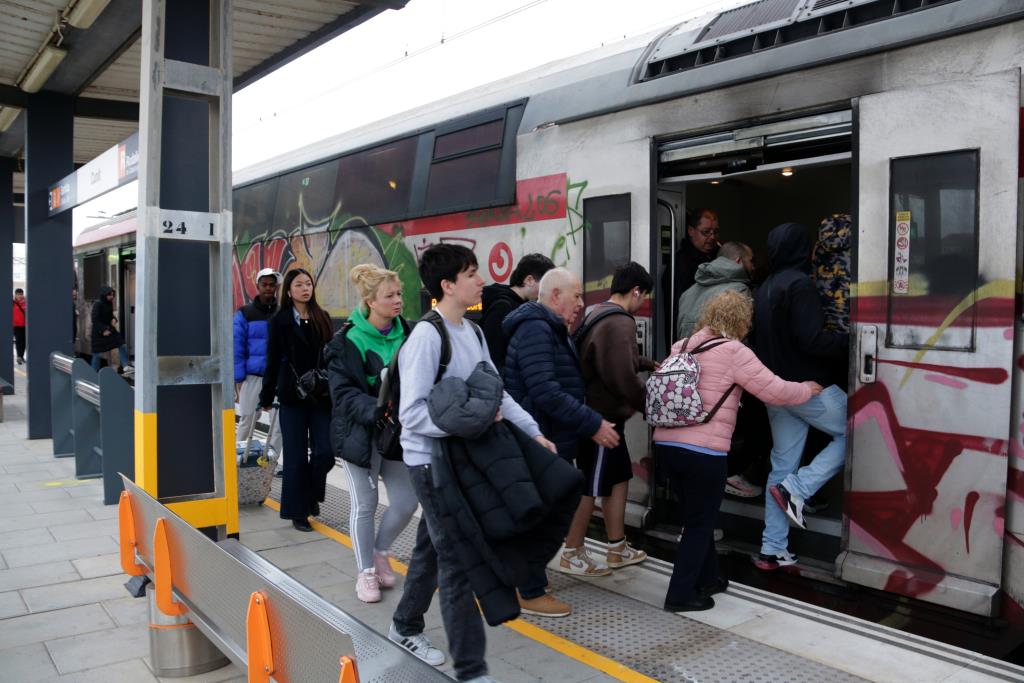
[[749, 16], [767, 24]]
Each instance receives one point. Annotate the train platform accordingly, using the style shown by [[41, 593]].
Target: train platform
[[65, 614]]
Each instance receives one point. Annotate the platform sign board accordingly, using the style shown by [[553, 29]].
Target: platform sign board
[[117, 166]]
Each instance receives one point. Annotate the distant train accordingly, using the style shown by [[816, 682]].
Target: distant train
[[905, 114]]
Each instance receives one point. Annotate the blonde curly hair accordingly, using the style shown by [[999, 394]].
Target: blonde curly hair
[[728, 314], [368, 278]]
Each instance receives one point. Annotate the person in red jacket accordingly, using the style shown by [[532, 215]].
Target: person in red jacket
[[18, 318], [694, 457]]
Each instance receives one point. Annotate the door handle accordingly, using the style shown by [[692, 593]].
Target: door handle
[[868, 353]]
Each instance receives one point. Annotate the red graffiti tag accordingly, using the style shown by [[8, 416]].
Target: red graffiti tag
[[969, 504], [887, 516], [499, 263], [984, 375]]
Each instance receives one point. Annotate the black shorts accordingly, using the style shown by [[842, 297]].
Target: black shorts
[[603, 467]]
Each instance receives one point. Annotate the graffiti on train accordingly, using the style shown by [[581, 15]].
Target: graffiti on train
[[329, 246], [907, 501]]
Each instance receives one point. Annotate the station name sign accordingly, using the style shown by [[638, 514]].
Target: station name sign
[[115, 167]]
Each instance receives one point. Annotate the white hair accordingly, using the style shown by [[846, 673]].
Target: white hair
[[556, 278]]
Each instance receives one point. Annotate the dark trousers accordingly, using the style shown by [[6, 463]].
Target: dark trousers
[[435, 563], [19, 342], [699, 482], [755, 437], [306, 438]]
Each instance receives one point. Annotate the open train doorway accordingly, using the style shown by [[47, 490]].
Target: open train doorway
[[753, 179]]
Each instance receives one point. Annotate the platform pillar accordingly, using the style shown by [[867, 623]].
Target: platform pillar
[[7, 165], [49, 146], [184, 399]]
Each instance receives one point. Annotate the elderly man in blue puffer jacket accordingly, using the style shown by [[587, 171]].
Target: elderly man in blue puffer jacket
[[251, 335], [542, 373]]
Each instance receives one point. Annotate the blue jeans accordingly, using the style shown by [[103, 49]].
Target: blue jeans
[[122, 353], [825, 412]]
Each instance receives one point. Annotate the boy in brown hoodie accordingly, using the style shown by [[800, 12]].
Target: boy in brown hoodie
[[610, 361]]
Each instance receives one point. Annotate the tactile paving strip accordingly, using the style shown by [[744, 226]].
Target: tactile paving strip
[[664, 646]]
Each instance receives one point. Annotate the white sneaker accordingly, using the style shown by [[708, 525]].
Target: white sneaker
[[419, 645], [623, 555], [577, 562], [737, 485]]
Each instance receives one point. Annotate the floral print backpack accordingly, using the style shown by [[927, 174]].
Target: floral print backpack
[[672, 396]]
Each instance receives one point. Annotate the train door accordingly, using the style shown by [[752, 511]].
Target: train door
[[128, 302], [932, 338], [753, 177]]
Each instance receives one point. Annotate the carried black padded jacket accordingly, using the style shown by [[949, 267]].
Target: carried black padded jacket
[[507, 500], [789, 324]]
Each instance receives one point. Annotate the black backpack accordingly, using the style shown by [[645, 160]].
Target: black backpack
[[388, 429]]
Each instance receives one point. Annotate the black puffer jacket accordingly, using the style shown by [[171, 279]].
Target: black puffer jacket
[[789, 324], [354, 402], [102, 319], [505, 498], [542, 373]]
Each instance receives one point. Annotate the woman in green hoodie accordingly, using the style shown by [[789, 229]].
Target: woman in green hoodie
[[356, 355]]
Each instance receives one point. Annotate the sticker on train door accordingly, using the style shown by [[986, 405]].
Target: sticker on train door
[[901, 254]]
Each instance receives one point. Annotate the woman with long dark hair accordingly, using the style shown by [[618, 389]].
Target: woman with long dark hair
[[295, 373]]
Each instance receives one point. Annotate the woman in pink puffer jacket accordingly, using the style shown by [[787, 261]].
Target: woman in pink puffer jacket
[[694, 458]]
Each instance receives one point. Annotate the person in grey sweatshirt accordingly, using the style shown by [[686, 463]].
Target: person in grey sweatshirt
[[449, 272], [731, 270]]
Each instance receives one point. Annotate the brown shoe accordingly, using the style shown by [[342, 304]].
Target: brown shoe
[[544, 606]]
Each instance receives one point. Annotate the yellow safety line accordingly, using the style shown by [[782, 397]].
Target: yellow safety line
[[566, 647]]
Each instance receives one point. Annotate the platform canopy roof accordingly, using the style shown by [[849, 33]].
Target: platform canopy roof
[[91, 50]]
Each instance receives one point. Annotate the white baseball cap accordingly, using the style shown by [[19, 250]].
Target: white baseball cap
[[268, 272]]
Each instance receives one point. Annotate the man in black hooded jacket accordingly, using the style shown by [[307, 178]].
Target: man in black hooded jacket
[[791, 340], [499, 300]]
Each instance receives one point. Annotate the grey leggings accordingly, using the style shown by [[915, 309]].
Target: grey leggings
[[402, 502]]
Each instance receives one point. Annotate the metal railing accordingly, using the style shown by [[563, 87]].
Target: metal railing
[[93, 421], [262, 619], [60, 404]]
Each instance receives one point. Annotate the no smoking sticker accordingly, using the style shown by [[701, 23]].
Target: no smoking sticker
[[901, 254]]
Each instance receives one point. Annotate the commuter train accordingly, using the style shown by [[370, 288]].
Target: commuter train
[[905, 114]]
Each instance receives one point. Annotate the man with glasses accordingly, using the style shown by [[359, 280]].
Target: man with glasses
[[700, 246]]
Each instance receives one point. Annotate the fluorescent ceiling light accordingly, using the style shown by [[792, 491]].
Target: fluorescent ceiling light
[[44, 66], [85, 12], [7, 116]]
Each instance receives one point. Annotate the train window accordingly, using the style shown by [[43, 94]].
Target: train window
[[305, 198], [253, 210], [470, 179], [933, 257], [375, 184], [470, 139], [606, 240], [472, 163], [92, 275]]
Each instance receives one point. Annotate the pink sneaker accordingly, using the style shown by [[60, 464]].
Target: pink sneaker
[[367, 586], [382, 563]]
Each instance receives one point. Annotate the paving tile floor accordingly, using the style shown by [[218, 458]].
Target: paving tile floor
[[66, 616]]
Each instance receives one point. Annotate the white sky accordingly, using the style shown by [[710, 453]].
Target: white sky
[[397, 61]]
